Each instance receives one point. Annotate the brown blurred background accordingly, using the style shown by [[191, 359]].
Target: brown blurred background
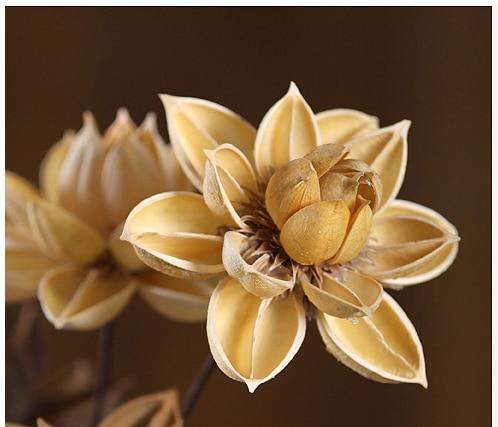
[[430, 65]]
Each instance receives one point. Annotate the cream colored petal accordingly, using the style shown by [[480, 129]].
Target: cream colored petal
[[18, 193], [63, 236], [121, 128], [341, 125], [73, 298], [177, 234], [252, 339], [291, 188], [177, 299], [51, 165], [80, 176], [437, 263], [356, 235], [228, 177], [195, 125], [353, 295], [259, 283], [288, 131], [154, 410], [123, 252], [385, 151], [383, 346], [325, 157], [316, 232], [129, 175]]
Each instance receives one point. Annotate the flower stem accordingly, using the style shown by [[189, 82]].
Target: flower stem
[[103, 372], [197, 386]]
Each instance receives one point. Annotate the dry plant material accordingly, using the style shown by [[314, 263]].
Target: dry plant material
[[302, 216], [63, 242]]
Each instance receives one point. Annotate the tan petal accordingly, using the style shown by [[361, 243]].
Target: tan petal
[[341, 124], [288, 131], [51, 165], [354, 295], [73, 298], [356, 235], [325, 157], [195, 125], [336, 186], [177, 299], [154, 410], [227, 176], [316, 232], [291, 187], [63, 236], [123, 252], [253, 280], [252, 339], [80, 175], [177, 234], [443, 255], [122, 127], [18, 193], [383, 346], [385, 151]]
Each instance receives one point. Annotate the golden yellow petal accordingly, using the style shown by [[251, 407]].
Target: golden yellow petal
[[340, 125], [385, 151], [356, 235], [325, 157], [383, 346], [177, 299], [438, 261], [288, 131], [259, 283], [253, 339], [123, 252], [18, 193], [316, 232], [227, 176], [63, 236], [195, 125], [74, 298], [122, 127], [353, 295], [291, 188], [80, 176], [154, 410], [336, 186], [51, 165]]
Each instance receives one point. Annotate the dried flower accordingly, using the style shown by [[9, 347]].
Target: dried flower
[[313, 229], [64, 243]]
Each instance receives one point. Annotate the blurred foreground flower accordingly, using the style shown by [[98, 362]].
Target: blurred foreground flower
[[313, 229], [64, 243]]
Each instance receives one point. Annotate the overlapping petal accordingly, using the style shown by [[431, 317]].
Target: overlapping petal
[[123, 252], [383, 346], [253, 339], [18, 194]]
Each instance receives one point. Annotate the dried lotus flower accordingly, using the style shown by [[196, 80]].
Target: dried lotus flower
[[63, 243], [306, 224]]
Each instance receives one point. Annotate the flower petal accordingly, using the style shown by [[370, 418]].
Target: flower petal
[[177, 234], [195, 125], [341, 125], [316, 232], [252, 339], [18, 193], [74, 298], [291, 188], [177, 299], [254, 281], [443, 254], [385, 151], [156, 410], [288, 131], [123, 252], [354, 295], [383, 346], [325, 157], [227, 176], [80, 175], [63, 236]]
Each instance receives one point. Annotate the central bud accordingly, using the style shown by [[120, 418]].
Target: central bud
[[323, 205]]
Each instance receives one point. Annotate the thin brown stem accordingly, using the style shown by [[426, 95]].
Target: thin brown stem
[[197, 386], [103, 371]]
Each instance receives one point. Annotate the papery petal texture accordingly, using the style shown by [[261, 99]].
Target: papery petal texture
[[342, 124]]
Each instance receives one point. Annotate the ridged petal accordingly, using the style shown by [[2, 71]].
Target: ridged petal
[[123, 252], [252, 339], [18, 194], [383, 346]]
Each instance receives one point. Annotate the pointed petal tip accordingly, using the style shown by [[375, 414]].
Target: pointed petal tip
[[423, 381], [150, 121], [293, 89], [167, 100], [89, 121], [252, 386], [123, 115]]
